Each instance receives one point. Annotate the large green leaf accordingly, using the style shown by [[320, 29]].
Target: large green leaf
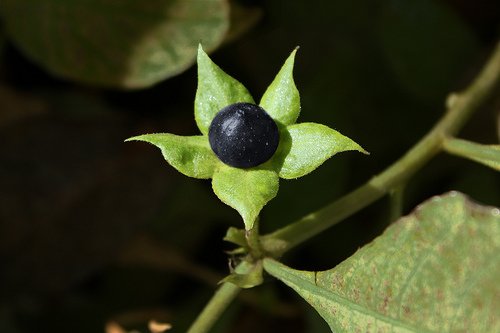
[[190, 155], [305, 146], [127, 43], [246, 190], [216, 90], [436, 270], [281, 99]]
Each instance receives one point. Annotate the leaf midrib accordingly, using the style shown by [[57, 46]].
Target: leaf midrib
[[295, 280]]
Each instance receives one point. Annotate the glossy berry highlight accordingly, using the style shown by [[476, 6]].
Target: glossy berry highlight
[[243, 135]]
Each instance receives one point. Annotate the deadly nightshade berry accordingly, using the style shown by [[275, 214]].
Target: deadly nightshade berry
[[243, 135]]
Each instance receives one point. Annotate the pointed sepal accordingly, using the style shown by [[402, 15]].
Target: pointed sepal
[[190, 155], [305, 146], [246, 190], [281, 99], [216, 90]]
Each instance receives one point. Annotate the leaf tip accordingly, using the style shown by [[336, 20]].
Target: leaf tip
[[356, 147], [149, 138], [363, 151], [353, 145], [291, 57], [202, 55], [134, 138]]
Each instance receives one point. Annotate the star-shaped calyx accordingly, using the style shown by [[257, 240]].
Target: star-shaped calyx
[[302, 147]]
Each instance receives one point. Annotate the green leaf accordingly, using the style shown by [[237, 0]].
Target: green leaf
[[246, 190], [281, 99], [124, 44], [305, 146], [216, 90], [190, 155], [435, 270], [488, 155]]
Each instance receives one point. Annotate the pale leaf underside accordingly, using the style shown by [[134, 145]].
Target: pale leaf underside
[[435, 270]]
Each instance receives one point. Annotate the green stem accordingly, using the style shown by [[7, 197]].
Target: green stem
[[214, 308], [253, 240], [488, 155], [219, 302], [396, 196], [460, 108]]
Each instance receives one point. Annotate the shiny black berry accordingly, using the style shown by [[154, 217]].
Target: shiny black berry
[[243, 135]]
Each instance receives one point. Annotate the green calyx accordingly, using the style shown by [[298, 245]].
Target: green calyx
[[303, 147]]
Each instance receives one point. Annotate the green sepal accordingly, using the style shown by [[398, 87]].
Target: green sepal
[[305, 146], [251, 277], [190, 155], [216, 90], [246, 190], [281, 99], [236, 236]]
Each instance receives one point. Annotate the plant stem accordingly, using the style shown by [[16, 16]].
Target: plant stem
[[253, 240], [214, 308], [460, 108], [488, 155], [396, 205]]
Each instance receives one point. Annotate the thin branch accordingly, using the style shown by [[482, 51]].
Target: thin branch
[[460, 107], [214, 308]]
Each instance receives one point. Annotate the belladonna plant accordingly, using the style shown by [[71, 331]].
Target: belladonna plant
[[244, 147]]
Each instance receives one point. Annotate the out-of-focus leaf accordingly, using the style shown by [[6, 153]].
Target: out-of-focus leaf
[[242, 19], [426, 44], [124, 44], [435, 270]]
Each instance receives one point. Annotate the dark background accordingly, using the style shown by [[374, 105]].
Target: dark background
[[94, 230]]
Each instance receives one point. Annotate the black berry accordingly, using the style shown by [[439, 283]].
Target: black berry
[[243, 135]]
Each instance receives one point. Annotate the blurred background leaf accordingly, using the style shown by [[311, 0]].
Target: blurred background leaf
[[123, 44]]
